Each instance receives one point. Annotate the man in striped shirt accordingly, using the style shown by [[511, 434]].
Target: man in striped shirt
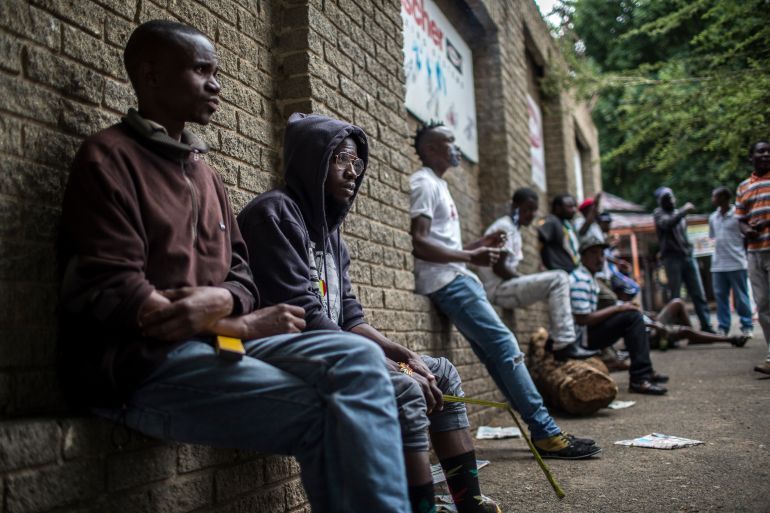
[[752, 205], [598, 329]]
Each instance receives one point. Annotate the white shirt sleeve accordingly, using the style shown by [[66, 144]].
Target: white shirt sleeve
[[423, 197]]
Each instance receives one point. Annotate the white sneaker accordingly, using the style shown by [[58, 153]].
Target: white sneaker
[[747, 332]]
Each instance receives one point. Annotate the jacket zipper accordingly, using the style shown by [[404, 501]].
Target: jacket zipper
[[194, 200]]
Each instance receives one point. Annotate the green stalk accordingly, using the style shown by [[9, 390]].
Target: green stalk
[[505, 406]]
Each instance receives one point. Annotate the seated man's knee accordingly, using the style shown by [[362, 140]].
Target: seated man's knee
[[412, 412], [447, 377], [360, 348]]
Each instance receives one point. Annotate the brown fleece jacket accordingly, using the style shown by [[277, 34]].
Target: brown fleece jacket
[[141, 212]]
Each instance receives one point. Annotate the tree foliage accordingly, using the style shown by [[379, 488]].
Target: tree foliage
[[681, 89]]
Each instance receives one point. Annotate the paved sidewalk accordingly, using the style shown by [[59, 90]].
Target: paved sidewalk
[[714, 396]]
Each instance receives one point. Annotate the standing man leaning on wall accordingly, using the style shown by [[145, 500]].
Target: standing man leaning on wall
[[156, 268], [676, 251], [441, 274]]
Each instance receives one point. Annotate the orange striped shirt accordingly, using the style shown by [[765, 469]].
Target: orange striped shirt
[[752, 202]]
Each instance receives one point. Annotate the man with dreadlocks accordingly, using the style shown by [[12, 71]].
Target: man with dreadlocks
[[442, 275], [298, 257]]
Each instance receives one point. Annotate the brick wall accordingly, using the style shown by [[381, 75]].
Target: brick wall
[[61, 78]]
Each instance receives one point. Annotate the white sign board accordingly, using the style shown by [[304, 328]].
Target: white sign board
[[438, 65], [536, 146]]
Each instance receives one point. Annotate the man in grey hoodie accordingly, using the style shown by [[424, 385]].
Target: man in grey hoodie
[[299, 258]]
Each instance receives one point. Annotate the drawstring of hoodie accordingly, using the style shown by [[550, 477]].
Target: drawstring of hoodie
[[339, 277], [326, 271]]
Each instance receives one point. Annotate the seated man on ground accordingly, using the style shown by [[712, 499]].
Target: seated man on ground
[[155, 268], [507, 288], [441, 274], [672, 324], [599, 328], [298, 257]]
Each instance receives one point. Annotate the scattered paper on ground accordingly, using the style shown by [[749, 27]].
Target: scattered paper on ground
[[444, 504], [438, 472], [494, 433], [660, 441], [619, 405]]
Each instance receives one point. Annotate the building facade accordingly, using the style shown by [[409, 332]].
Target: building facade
[[62, 78]]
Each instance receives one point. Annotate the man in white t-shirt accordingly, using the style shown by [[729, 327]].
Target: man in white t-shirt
[[442, 275], [729, 266], [506, 287]]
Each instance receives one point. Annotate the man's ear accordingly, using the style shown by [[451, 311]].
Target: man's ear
[[147, 75]]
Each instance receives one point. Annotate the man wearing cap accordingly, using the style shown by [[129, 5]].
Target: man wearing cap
[[676, 251], [589, 223], [506, 287], [600, 328]]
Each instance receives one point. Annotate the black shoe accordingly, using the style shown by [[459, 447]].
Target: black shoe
[[576, 440], [739, 340], [573, 451], [574, 352], [657, 377], [646, 387], [708, 329]]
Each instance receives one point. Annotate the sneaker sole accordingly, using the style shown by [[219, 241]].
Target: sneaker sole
[[581, 457]]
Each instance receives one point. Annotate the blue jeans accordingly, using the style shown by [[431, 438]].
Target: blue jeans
[[465, 303], [323, 397], [738, 281], [684, 269]]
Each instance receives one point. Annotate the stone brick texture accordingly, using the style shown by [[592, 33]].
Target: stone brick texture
[[61, 78]]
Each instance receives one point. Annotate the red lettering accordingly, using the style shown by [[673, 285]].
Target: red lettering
[[416, 9]]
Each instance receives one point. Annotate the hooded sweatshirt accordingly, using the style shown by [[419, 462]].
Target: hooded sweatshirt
[[296, 254], [141, 212]]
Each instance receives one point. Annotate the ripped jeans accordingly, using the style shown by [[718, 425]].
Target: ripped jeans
[[465, 303]]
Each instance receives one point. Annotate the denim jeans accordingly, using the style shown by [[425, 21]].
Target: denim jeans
[[739, 283], [684, 269], [759, 274], [324, 397], [465, 303], [412, 408]]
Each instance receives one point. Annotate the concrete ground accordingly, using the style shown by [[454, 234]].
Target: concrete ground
[[714, 396]]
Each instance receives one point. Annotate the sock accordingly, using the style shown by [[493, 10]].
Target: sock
[[462, 477], [552, 443], [422, 498]]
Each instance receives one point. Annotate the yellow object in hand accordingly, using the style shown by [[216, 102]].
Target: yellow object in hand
[[230, 348]]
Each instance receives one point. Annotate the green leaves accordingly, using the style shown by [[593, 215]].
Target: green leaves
[[683, 89]]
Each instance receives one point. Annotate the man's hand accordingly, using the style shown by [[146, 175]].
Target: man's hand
[[484, 256], [495, 239], [191, 310], [688, 207], [272, 320], [429, 388]]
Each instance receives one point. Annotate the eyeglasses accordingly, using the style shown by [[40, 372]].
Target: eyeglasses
[[345, 159]]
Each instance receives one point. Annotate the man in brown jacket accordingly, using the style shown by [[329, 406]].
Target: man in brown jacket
[[155, 269]]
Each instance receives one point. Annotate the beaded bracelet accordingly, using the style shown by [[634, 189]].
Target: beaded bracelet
[[405, 369]]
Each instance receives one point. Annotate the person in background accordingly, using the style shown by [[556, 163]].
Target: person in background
[[752, 206], [558, 239], [602, 327], [729, 264], [677, 253], [506, 287]]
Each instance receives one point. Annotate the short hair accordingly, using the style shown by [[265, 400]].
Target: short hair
[[558, 201], [523, 194], [143, 40], [420, 134], [754, 146], [722, 191]]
